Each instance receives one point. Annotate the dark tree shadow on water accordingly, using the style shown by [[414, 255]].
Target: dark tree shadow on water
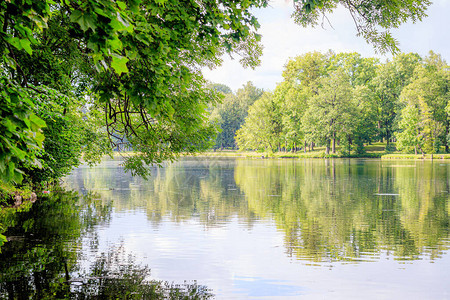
[[115, 275], [42, 258]]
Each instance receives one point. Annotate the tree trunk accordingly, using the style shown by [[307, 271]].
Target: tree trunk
[[304, 148], [415, 149], [379, 131], [349, 145], [312, 146], [446, 135], [334, 143], [327, 149]]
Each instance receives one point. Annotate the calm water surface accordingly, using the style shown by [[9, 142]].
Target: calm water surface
[[309, 229]]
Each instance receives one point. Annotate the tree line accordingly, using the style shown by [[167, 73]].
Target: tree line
[[345, 101]]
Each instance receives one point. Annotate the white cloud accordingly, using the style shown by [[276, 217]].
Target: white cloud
[[282, 39]]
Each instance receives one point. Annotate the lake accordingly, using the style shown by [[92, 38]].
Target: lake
[[244, 228]]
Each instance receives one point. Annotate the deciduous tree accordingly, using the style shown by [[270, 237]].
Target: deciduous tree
[[330, 113], [263, 127]]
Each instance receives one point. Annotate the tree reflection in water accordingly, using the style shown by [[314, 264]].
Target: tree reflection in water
[[115, 274], [329, 210], [346, 210], [42, 261]]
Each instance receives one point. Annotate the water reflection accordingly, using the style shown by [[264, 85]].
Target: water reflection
[[43, 259], [342, 210], [39, 255], [328, 210], [190, 189], [116, 275]]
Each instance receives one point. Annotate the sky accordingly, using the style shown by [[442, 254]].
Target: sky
[[283, 39]]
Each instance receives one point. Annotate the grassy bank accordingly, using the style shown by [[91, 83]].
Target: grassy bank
[[376, 150], [417, 157], [321, 154], [312, 154]]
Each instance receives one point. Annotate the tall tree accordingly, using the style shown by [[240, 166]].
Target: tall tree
[[292, 101], [360, 71], [330, 112], [301, 76], [428, 94], [365, 121], [387, 85], [231, 113], [262, 128], [409, 135]]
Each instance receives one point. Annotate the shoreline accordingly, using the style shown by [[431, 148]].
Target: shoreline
[[307, 155], [319, 155]]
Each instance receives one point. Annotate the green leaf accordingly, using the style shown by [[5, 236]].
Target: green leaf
[[119, 63], [75, 16], [11, 167], [9, 125], [26, 45], [17, 177], [121, 5], [37, 121], [40, 22], [117, 25], [9, 62], [14, 41], [3, 240], [20, 154], [143, 38], [85, 21], [115, 44]]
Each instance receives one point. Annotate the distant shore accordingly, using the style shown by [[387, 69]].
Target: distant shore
[[320, 154]]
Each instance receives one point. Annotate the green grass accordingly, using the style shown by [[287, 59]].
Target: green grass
[[414, 156], [376, 147]]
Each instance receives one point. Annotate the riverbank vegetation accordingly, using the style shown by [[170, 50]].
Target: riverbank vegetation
[[345, 103]]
